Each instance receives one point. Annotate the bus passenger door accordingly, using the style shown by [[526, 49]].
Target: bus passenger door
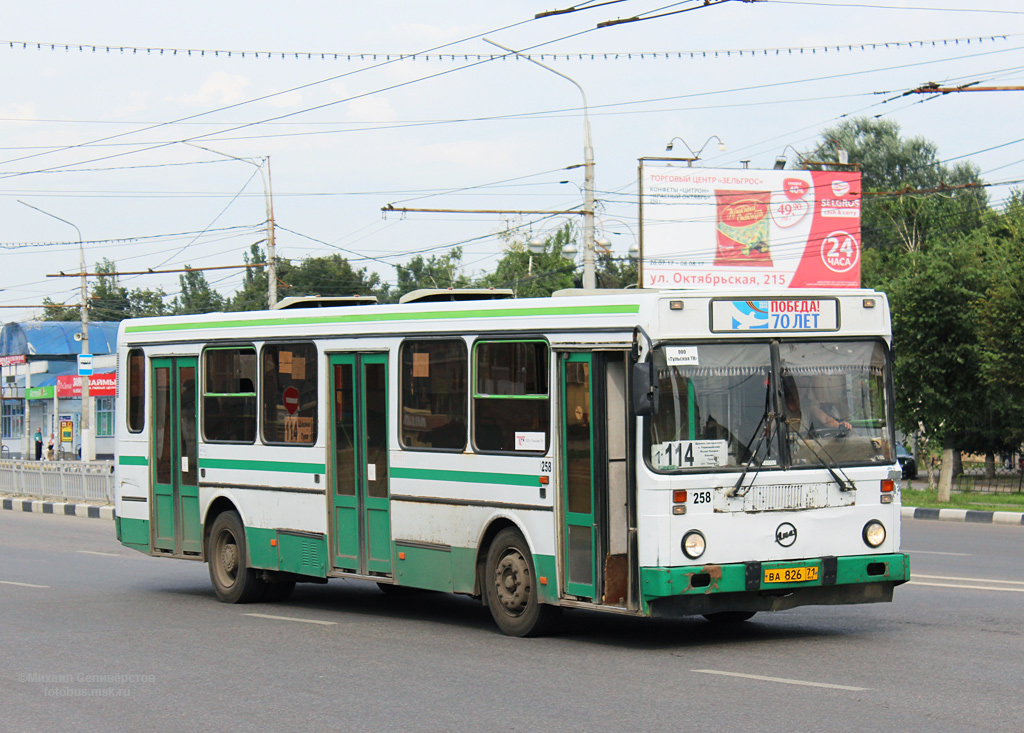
[[598, 560], [175, 486], [360, 496], [580, 527]]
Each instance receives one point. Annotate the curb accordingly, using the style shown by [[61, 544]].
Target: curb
[[962, 515], [38, 506]]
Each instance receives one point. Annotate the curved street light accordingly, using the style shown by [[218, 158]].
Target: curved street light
[[589, 273], [84, 429], [268, 195], [695, 156]]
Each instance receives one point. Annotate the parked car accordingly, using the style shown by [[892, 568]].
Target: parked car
[[907, 462]]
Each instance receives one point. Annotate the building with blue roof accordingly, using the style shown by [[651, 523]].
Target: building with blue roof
[[38, 364]]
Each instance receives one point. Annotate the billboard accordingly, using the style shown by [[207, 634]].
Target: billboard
[[100, 385], [773, 230]]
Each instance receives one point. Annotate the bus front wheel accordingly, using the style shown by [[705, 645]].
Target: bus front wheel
[[510, 583], [233, 580]]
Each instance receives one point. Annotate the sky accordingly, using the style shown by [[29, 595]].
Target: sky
[[134, 124]]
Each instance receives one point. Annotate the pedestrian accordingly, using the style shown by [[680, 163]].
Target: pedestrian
[[49, 449], [39, 444]]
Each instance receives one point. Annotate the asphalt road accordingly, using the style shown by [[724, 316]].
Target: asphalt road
[[99, 637]]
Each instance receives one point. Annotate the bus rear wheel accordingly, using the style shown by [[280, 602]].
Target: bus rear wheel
[[510, 584], [233, 580]]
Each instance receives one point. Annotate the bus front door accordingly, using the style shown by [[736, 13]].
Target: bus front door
[[174, 503], [598, 564], [360, 496]]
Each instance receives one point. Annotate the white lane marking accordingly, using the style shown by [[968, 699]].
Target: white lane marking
[[105, 554], [23, 585], [975, 580], [292, 618], [782, 680], [933, 552], [969, 587]]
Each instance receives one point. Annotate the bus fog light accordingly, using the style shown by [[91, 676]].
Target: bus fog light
[[694, 544], [874, 533]]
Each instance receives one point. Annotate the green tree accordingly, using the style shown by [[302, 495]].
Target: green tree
[[615, 272], [109, 300], [534, 275], [253, 295], [54, 311], [438, 271], [196, 295], [146, 302], [331, 275], [937, 369], [1000, 320], [895, 171]]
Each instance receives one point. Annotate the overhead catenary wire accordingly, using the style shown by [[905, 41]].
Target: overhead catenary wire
[[213, 135], [392, 56]]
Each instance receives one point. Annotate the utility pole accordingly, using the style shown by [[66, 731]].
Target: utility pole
[[268, 195], [271, 252], [589, 273]]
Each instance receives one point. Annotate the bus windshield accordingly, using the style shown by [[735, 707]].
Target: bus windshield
[[718, 409]]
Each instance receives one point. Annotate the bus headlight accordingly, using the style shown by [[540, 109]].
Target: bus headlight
[[874, 533], [693, 544]]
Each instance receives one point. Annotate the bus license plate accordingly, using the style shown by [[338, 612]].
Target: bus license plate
[[791, 575]]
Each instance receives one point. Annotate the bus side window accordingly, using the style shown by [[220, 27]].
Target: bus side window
[[229, 395], [288, 374], [136, 391], [434, 394], [511, 396]]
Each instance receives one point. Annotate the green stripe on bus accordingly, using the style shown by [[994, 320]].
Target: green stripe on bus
[[276, 466], [133, 460], [577, 310], [465, 477]]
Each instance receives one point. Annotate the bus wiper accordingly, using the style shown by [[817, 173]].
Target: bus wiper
[[845, 484], [760, 434]]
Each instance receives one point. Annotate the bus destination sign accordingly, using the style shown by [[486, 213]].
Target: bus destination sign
[[776, 314]]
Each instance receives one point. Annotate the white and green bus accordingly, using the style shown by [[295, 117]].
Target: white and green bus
[[638, 452]]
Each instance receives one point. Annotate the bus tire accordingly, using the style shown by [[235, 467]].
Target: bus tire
[[510, 583], [233, 580], [729, 617]]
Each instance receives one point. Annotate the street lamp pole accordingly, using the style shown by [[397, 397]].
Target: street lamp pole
[[84, 425], [268, 196], [589, 273]]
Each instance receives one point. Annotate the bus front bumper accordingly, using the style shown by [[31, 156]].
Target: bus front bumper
[[771, 586]]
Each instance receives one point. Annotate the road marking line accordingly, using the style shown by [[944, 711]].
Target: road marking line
[[783, 680], [933, 552], [292, 618], [970, 587], [23, 585], [975, 580], [105, 554]]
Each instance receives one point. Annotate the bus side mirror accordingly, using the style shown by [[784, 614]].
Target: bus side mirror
[[645, 391]]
